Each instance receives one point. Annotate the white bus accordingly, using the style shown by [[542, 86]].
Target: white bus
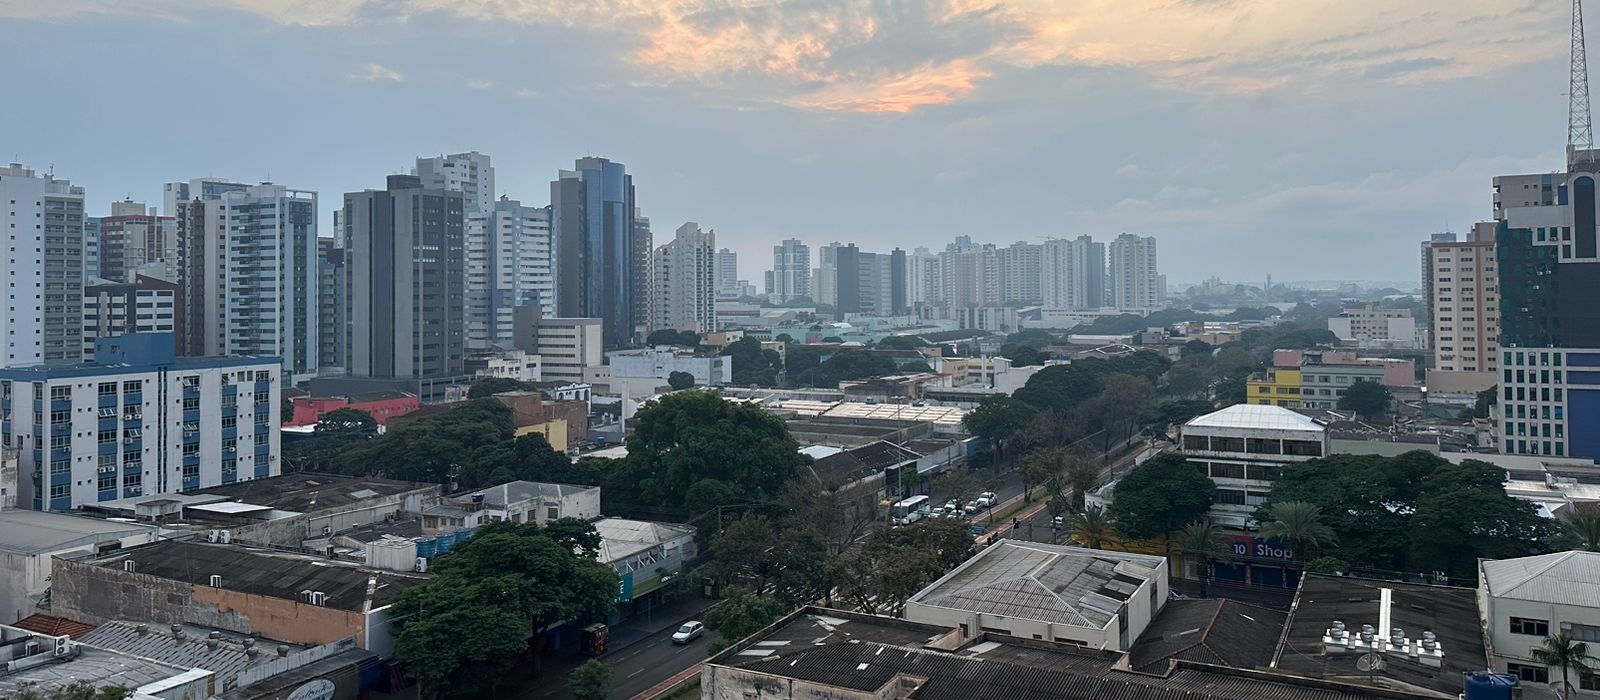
[[909, 511]]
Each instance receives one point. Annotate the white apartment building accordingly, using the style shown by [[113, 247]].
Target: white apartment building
[[1464, 296], [1021, 273], [507, 266], [727, 275], [683, 286], [469, 173], [43, 220], [1072, 274], [1524, 600], [505, 364], [1243, 448], [790, 277], [269, 277], [1370, 326], [825, 278], [566, 347], [1133, 276], [138, 421], [147, 305]]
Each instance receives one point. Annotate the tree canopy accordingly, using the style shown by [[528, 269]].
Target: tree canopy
[[679, 380], [75, 690], [751, 364], [693, 450], [998, 420], [438, 448], [741, 614], [892, 564], [1366, 398], [486, 598], [1160, 496], [668, 336], [489, 386]]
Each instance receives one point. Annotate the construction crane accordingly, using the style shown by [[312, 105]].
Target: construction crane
[[1580, 128]]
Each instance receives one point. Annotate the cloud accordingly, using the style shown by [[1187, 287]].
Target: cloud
[[881, 57], [529, 93], [479, 84], [1128, 170], [373, 71]]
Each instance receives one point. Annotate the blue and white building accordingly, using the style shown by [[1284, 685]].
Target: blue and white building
[[139, 421]]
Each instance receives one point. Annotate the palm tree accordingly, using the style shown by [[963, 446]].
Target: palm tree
[[1092, 527], [1299, 524], [1202, 542], [1559, 651], [1582, 525]]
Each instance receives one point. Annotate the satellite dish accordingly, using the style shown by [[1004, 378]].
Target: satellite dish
[[1369, 663]]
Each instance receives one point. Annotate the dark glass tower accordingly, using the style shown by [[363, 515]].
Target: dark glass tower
[[595, 242]]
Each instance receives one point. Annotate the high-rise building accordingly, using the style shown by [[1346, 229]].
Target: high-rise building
[[790, 277], [111, 309], [507, 265], [643, 250], [825, 279], [1072, 273], [596, 245], [1427, 269], [330, 298], [42, 318], [568, 348], [727, 274], [405, 282], [197, 215], [862, 282], [1096, 293], [685, 296], [1021, 273], [1134, 280], [269, 283], [468, 173], [1464, 308], [133, 241], [138, 421], [971, 273], [920, 265]]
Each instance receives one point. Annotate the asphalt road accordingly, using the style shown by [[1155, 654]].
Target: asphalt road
[[634, 670]]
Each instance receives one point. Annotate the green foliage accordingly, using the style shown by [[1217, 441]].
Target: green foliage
[[1195, 348], [680, 380], [1093, 527], [1561, 652], [1414, 512], [833, 339], [1185, 379], [956, 484], [998, 420], [741, 614], [442, 448], [335, 432], [1366, 398], [1299, 525], [902, 342], [1169, 413], [485, 599], [591, 681], [347, 423], [751, 364], [1327, 566], [915, 367], [75, 690], [1487, 399], [1160, 496], [1064, 387], [1202, 542], [1024, 355], [892, 564], [668, 336], [489, 386], [1582, 527], [693, 450]]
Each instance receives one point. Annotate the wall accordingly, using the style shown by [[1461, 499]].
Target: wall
[[726, 683], [1518, 647], [290, 531]]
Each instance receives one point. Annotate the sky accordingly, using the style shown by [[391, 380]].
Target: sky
[[1308, 139]]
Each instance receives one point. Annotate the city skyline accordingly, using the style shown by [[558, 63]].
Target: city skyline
[[1206, 151]]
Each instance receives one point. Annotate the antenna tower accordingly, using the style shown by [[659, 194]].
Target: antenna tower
[[1580, 130]]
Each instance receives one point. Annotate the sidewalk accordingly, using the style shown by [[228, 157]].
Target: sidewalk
[[643, 625]]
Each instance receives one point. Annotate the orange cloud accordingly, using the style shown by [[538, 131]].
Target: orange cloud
[[923, 87]]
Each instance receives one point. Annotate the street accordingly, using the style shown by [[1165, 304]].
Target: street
[[635, 668]]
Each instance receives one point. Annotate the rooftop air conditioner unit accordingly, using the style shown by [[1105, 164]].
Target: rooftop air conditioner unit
[[225, 536], [422, 565]]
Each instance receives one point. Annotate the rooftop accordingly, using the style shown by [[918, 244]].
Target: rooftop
[[866, 653], [1212, 631], [98, 667], [1450, 613], [518, 491], [309, 491], [1562, 578], [33, 531], [1255, 417], [263, 572], [1051, 583], [859, 463], [189, 646], [621, 538]]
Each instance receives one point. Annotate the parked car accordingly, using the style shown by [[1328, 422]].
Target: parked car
[[689, 632], [972, 507], [987, 499], [1058, 521], [952, 505]]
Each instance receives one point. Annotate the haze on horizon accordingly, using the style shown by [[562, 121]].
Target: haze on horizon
[[1315, 139]]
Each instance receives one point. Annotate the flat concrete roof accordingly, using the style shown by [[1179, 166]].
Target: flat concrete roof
[[34, 531]]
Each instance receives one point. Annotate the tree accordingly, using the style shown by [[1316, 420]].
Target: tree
[[1023, 355], [489, 386], [902, 342], [1299, 525], [347, 423], [75, 690], [1081, 477], [439, 448], [1486, 401], [1092, 527], [591, 681], [1366, 398], [741, 614], [487, 597], [956, 484], [1184, 379], [998, 419], [1202, 543], [1582, 525], [1060, 387], [1328, 566], [1120, 405], [1160, 496], [745, 552], [668, 336], [335, 432], [915, 367], [1559, 651], [680, 380], [1464, 515], [1195, 348], [751, 364], [694, 450], [1039, 467], [892, 564]]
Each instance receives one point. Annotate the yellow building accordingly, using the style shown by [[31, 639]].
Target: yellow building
[[1275, 387], [554, 432]]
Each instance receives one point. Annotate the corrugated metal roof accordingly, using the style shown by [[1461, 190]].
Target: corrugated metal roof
[[1563, 578], [1031, 581], [1256, 417]]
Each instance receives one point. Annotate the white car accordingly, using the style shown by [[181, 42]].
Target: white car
[[952, 505], [689, 632], [987, 499], [972, 507]]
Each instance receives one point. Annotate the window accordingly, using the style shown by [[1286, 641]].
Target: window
[[1230, 496], [191, 450], [1194, 442], [230, 468], [1588, 681], [106, 481], [1528, 673], [191, 404], [1265, 472], [1227, 444], [108, 436], [60, 491], [60, 393], [230, 400], [1227, 471], [132, 481], [230, 422], [191, 471], [1530, 626], [1302, 448], [108, 388], [1262, 446], [60, 466]]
